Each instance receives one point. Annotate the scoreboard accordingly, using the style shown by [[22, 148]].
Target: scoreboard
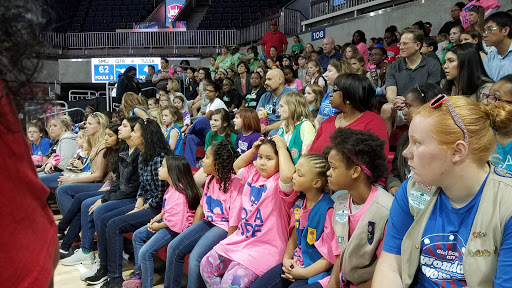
[[108, 69]]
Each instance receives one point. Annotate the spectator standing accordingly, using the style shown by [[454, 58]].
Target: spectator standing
[[127, 83], [275, 38], [329, 53], [359, 39], [297, 46], [162, 75], [455, 14], [235, 54], [498, 33]]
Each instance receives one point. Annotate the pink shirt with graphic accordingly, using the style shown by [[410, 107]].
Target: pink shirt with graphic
[[327, 245], [260, 240], [177, 216], [222, 209]]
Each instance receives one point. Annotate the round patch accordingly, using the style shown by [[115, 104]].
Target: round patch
[[502, 172], [294, 153], [418, 199], [342, 216]]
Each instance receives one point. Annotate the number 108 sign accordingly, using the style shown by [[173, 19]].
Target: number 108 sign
[[317, 35]]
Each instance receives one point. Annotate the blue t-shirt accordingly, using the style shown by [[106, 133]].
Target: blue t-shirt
[[326, 109], [178, 149], [444, 240], [502, 156], [271, 105], [87, 166], [43, 148]]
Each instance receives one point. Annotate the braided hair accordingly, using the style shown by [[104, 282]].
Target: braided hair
[[224, 155]]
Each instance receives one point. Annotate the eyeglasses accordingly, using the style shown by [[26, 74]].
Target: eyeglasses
[[456, 118], [493, 98], [274, 104], [489, 30], [422, 94]]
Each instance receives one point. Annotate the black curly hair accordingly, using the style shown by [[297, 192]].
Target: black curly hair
[[224, 155], [154, 140], [364, 147], [182, 179]]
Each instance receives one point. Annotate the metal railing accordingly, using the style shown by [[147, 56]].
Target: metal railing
[[143, 39], [65, 112], [75, 95], [322, 7]]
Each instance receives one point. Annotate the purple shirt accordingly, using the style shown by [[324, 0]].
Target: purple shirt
[[244, 143]]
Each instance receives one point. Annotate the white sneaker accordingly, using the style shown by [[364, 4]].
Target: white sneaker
[[78, 258], [91, 270]]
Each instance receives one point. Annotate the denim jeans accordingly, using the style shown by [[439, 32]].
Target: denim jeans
[[104, 213], [50, 180], [67, 192], [196, 137], [116, 228], [197, 240], [72, 221], [272, 279], [144, 251]]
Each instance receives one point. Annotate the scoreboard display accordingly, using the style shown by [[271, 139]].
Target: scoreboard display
[[108, 69]]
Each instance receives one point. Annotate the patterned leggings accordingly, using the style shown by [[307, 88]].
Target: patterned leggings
[[218, 271]]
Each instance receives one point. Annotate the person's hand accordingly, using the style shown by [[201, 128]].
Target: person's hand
[[393, 190], [287, 266], [399, 103], [136, 209], [65, 180], [263, 129], [280, 143], [48, 168], [154, 227], [93, 206], [155, 219], [135, 80], [257, 144], [295, 273]]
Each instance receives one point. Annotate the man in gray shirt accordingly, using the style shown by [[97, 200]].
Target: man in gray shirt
[[151, 73], [409, 71]]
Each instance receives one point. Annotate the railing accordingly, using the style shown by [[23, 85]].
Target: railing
[[75, 95], [323, 7], [144, 39]]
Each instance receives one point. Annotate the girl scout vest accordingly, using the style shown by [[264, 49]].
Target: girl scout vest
[[358, 254], [295, 144], [481, 254], [314, 229]]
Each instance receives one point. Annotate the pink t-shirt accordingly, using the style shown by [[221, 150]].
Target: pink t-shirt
[[295, 86], [260, 240], [222, 209], [177, 216], [354, 218], [327, 245], [363, 50]]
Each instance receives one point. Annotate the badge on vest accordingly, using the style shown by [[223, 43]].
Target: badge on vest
[[371, 232], [311, 236], [502, 172], [340, 239], [418, 199], [342, 216], [296, 213]]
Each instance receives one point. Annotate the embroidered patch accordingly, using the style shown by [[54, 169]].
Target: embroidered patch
[[502, 172], [311, 236], [295, 153], [371, 232], [342, 216], [296, 213], [341, 239], [418, 199]]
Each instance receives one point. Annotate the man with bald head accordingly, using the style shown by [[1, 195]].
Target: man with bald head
[[329, 53], [274, 83]]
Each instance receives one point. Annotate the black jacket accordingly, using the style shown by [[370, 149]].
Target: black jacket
[[126, 184], [126, 84]]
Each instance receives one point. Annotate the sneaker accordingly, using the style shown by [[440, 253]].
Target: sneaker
[[112, 284], [91, 270], [78, 258], [99, 277], [134, 282], [66, 254]]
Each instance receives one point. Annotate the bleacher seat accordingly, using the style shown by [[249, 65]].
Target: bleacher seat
[[142, 13], [107, 14], [226, 17], [134, 13], [87, 27], [127, 19], [125, 14], [148, 8]]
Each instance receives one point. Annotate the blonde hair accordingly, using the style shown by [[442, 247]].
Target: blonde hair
[[102, 121], [355, 51], [320, 165], [132, 100], [157, 116], [87, 141], [319, 93], [501, 120], [346, 68], [298, 110], [64, 122], [175, 86], [477, 120]]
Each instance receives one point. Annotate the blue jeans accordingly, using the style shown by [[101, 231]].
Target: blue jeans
[[65, 193], [196, 137], [144, 251], [50, 180], [72, 219], [104, 213], [272, 279], [116, 228], [191, 241]]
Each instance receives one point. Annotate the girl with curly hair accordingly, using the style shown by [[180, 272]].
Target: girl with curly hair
[[217, 215], [357, 161]]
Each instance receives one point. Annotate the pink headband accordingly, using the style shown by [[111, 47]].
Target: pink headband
[[365, 170]]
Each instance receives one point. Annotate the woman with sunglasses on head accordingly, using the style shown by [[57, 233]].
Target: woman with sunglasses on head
[[465, 72], [449, 223], [499, 100], [414, 99]]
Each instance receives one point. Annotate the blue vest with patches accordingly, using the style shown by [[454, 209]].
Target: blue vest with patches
[[314, 229]]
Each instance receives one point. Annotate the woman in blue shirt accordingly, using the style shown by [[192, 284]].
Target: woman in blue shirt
[[39, 145]]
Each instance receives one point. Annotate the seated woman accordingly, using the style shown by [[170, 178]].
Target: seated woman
[[39, 144], [449, 220], [465, 72], [61, 152]]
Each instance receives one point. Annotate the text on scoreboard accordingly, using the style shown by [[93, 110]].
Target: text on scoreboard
[[108, 69]]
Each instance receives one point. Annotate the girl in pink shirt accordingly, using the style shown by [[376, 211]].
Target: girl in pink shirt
[[217, 215], [178, 208], [312, 248], [357, 160], [260, 240]]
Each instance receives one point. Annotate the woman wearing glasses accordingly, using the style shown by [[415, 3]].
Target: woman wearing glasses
[[449, 223], [500, 101], [465, 72]]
